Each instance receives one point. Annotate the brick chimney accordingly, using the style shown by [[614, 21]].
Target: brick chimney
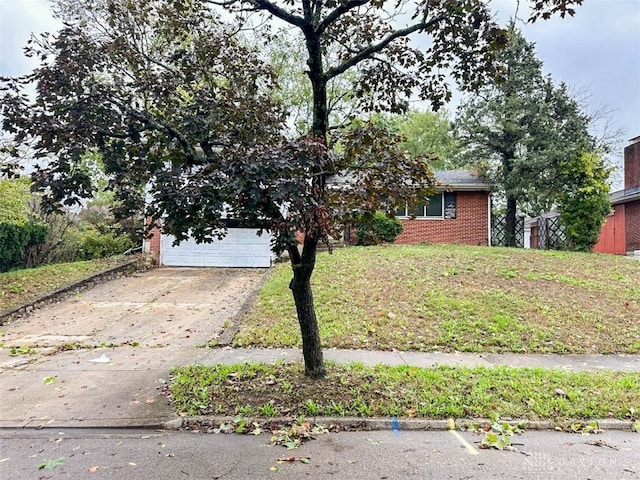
[[632, 164]]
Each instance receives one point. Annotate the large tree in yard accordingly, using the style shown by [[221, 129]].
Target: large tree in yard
[[178, 104], [523, 132]]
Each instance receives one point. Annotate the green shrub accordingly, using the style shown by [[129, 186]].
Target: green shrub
[[15, 238], [584, 202], [100, 245], [378, 229]]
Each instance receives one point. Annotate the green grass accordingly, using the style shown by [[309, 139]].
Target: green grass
[[19, 286], [463, 298], [261, 390]]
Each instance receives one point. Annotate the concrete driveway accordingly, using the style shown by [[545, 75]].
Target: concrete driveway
[[103, 357]]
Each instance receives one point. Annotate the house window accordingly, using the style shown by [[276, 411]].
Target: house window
[[432, 209]]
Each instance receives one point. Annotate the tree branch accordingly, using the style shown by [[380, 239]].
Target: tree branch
[[366, 53], [337, 13], [306, 10], [157, 125], [279, 12]]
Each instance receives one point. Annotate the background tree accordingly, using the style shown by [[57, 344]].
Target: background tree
[[173, 100], [286, 53], [427, 134], [521, 131]]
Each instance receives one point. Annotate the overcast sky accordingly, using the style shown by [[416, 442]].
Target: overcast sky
[[597, 50]]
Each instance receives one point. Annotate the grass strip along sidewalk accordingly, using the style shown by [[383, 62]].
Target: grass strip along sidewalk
[[270, 390]]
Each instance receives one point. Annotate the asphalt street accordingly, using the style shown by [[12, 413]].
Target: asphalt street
[[151, 454]]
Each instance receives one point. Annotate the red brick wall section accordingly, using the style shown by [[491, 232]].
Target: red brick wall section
[[153, 241], [469, 227], [632, 166], [632, 225]]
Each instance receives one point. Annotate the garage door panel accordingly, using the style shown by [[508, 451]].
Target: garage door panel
[[240, 248]]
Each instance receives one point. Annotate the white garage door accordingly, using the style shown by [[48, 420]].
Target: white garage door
[[240, 248]]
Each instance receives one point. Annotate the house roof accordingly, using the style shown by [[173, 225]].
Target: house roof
[[461, 180], [458, 180], [624, 196]]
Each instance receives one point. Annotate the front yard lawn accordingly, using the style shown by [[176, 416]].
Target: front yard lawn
[[464, 298]]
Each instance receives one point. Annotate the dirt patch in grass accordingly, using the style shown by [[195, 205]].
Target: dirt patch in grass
[[20, 286], [462, 298], [260, 390]]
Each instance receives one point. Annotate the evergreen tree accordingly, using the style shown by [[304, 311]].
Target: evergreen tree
[[521, 131]]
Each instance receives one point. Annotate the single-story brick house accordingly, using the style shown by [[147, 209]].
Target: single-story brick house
[[621, 232], [459, 213]]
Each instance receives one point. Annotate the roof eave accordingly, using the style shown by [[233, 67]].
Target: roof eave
[[476, 187], [626, 199]]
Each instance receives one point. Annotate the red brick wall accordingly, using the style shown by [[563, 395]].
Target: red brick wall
[[632, 166], [470, 226], [152, 244], [632, 224]]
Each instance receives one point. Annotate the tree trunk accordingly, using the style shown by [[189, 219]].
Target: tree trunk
[[318, 85], [507, 165], [300, 286], [303, 264], [510, 221]]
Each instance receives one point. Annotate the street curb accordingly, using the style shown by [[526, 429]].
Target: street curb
[[89, 281], [225, 339], [412, 424]]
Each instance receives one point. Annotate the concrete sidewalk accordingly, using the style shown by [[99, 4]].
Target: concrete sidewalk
[[591, 363]]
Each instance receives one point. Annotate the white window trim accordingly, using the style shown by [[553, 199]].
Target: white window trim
[[430, 217]]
